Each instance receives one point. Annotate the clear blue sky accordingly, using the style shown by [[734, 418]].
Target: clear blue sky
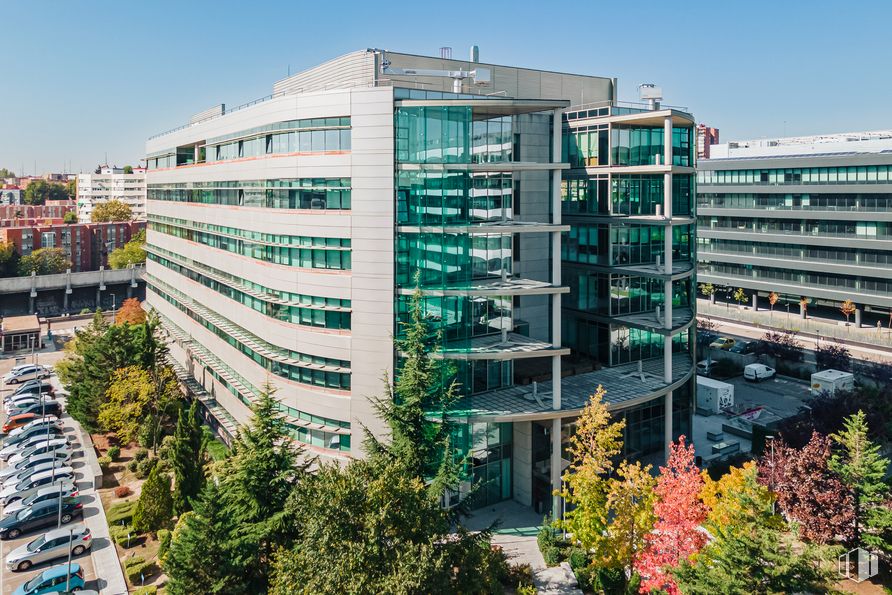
[[82, 79]]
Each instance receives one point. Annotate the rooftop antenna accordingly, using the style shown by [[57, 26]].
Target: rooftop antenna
[[650, 93]]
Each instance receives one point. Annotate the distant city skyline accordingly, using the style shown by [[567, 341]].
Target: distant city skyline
[[103, 78]]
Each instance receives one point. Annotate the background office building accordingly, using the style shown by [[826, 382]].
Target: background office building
[[803, 217], [111, 184], [706, 137], [287, 252]]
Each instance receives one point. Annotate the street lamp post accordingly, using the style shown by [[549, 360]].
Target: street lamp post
[[70, 547]]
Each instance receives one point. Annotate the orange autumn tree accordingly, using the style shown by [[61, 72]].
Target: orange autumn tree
[[131, 312], [679, 512]]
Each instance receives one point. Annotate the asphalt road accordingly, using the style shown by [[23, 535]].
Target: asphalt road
[[9, 580]]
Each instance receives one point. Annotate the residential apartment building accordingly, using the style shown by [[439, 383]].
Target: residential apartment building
[[87, 245], [706, 137], [53, 211], [111, 184], [286, 238], [10, 195], [803, 217]]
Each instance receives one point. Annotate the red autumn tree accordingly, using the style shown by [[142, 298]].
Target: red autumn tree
[[808, 491], [679, 513], [131, 312]]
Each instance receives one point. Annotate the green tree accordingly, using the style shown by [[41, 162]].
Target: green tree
[[739, 296], [133, 252], [188, 458], [128, 169], [112, 210], [71, 189], [40, 191], [44, 261], [421, 391], [863, 470], [70, 217], [254, 484], [134, 396], [749, 552], [9, 260], [154, 508], [6, 173]]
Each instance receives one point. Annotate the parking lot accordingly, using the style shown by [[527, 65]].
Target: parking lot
[[9, 580]]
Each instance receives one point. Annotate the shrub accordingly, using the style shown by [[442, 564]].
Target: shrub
[[144, 467], [585, 576], [122, 491], [113, 452], [137, 571], [105, 462], [552, 555], [520, 576], [134, 561], [546, 536], [132, 466], [122, 512], [526, 590], [141, 454], [578, 558], [164, 536], [147, 590], [609, 580]]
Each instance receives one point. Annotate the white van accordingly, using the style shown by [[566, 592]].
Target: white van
[[757, 372]]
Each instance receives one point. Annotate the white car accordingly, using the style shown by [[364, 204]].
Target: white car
[[28, 472], [67, 483], [25, 372], [26, 441], [61, 457], [40, 422], [40, 494], [758, 372], [52, 445], [38, 480]]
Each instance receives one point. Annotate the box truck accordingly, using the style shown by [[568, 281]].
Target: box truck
[[830, 381], [713, 395]]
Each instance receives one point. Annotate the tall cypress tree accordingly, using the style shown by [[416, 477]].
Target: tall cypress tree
[[154, 508], [188, 458]]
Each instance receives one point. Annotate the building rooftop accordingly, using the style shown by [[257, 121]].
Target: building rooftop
[[819, 145], [21, 324]]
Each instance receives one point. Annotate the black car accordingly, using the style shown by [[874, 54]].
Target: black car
[[41, 514], [745, 347], [34, 386], [45, 408]]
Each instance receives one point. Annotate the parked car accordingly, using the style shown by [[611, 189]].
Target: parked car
[[53, 580], [42, 514], [34, 386], [51, 445], [14, 446], [61, 457], [722, 343], [47, 407], [25, 474], [758, 372], [37, 480], [745, 347], [68, 490], [67, 484], [24, 373], [49, 546], [13, 401], [41, 422], [17, 421], [34, 432], [706, 367]]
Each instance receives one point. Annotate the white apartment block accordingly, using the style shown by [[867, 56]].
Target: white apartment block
[[111, 184]]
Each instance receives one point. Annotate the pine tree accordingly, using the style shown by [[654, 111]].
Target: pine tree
[[188, 458], [863, 470], [808, 491], [421, 392], [154, 508], [198, 560], [679, 512]]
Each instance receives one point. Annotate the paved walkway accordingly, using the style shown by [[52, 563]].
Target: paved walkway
[[516, 534]]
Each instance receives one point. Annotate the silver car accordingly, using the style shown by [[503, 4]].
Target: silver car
[[39, 448], [16, 446], [38, 479], [61, 457], [67, 483], [41, 422], [49, 546], [27, 473], [42, 493], [35, 431]]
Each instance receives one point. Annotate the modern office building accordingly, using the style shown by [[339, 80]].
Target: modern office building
[[706, 137], [286, 237], [111, 184], [802, 217]]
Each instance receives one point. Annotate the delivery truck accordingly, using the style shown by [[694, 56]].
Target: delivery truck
[[830, 381], [713, 396]]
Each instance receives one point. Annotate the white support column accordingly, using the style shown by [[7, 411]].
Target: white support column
[[667, 259], [557, 123], [556, 466]]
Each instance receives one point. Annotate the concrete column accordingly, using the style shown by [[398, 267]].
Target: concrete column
[[857, 317], [755, 302], [556, 465], [802, 310], [667, 140], [556, 137], [522, 462], [667, 423]]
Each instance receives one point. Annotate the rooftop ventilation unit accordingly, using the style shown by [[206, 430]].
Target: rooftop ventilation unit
[[650, 93]]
